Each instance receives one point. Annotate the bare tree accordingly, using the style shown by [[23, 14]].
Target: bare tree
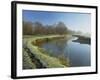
[[61, 28], [27, 28]]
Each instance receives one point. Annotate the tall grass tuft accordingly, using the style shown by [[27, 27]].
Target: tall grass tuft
[[65, 61]]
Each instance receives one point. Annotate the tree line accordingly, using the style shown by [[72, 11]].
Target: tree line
[[38, 28]]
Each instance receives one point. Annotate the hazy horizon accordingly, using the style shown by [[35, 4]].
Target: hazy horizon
[[74, 21]]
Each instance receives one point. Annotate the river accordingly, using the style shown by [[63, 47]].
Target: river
[[77, 53]]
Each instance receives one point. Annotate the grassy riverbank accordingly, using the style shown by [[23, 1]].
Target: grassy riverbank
[[43, 57]]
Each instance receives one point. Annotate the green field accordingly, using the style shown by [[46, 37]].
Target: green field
[[35, 57]]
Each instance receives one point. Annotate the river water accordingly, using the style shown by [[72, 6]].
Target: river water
[[77, 53]]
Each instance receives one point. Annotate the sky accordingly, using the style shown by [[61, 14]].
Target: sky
[[74, 21]]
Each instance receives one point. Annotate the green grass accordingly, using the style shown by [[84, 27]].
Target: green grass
[[42, 55], [65, 61], [62, 58], [27, 63], [47, 60]]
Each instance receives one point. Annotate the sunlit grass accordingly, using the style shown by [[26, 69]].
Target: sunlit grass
[[46, 59]]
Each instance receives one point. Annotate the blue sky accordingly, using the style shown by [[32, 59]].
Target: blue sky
[[74, 21]]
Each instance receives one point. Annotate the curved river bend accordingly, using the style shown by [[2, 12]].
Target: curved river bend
[[77, 53]]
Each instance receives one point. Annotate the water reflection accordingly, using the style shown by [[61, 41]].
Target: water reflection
[[77, 53]]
